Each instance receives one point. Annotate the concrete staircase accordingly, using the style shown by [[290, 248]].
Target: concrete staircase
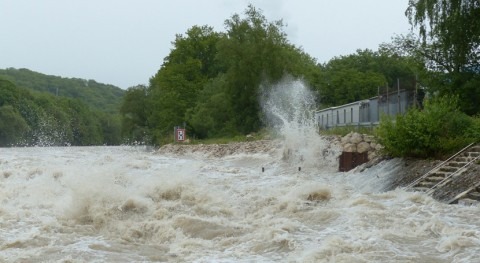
[[448, 170], [471, 196]]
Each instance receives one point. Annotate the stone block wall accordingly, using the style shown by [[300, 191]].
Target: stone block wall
[[356, 142]]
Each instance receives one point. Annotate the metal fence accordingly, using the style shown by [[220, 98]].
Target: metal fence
[[366, 113]]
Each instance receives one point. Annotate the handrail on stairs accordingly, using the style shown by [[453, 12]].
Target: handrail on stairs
[[452, 174], [462, 194], [438, 166]]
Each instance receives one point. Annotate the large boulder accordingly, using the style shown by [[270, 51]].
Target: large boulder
[[350, 147], [363, 147], [356, 138], [346, 139]]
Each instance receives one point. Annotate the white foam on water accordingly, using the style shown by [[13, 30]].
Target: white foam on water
[[125, 204], [114, 204], [289, 107]]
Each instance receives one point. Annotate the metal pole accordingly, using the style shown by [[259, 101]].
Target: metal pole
[[388, 103], [378, 104], [415, 92], [398, 95]]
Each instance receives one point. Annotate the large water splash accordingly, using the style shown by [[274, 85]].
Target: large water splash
[[289, 108]]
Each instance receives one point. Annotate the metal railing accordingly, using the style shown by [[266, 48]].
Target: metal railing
[[459, 171], [438, 166], [462, 194]]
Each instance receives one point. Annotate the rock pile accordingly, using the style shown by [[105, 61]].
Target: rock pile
[[356, 142], [221, 150]]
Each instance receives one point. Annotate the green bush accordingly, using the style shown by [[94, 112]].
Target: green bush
[[474, 130], [434, 131]]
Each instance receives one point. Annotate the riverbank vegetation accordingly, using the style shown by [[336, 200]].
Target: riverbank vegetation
[[436, 130], [448, 47], [210, 83]]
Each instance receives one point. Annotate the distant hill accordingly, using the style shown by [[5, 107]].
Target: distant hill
[[103, 97]]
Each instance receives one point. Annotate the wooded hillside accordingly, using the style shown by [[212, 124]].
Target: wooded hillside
[[99, 96]]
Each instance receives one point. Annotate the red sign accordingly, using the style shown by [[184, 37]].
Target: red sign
[[180, 135]]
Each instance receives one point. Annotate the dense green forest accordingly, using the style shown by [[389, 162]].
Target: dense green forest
[[211, 81], [102, 97], [31, 115]]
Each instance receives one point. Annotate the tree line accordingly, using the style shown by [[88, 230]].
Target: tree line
[[211, 80], [30, 118], [103, 97], [448, 50]]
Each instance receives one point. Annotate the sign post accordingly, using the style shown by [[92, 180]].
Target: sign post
[[180, 134]]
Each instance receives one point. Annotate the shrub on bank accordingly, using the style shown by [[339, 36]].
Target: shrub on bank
[[438, 129]]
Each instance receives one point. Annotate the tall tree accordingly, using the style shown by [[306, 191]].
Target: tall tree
[[134, 114], [449, 42], [175, 87], [12, 126], [453, 27], [213, 115], [358, 76], [253, 51]]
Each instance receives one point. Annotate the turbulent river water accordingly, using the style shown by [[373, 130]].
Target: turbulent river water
[[274, 201], [125, 204]]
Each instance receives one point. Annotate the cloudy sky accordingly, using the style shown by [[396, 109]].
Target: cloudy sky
[[123, 42]]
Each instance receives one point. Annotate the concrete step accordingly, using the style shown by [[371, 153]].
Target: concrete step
[[434, 178], [467, 202], [474, 195], [426, 184], [421, 189], [454, 167], [475, 148], [448, 169], [441, 174], [463, 159], [457, 164], [473, 154]]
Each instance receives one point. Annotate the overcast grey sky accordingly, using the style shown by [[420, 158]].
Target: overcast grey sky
[[123, 42]]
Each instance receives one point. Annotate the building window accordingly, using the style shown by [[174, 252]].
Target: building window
[[351, 115]]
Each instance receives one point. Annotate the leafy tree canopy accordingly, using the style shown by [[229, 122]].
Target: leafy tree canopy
[[134, 114], [36, 118], [210, 81], [449, 46], [363, 75]]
